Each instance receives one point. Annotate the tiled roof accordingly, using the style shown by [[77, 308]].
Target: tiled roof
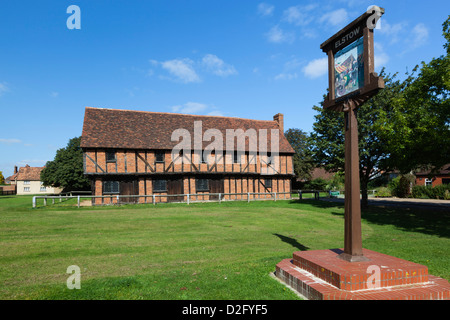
[[124, 129], [445, 170], [29, 173]]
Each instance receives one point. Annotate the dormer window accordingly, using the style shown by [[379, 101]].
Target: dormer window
[[159, 156], [111, 156]]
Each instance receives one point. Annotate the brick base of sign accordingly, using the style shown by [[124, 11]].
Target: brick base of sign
[[322, 275]]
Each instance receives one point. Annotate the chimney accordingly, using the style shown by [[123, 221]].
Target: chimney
[[15, 169], [280, 119]]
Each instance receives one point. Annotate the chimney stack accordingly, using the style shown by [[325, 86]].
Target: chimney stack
[[15, 169], [280, 119]]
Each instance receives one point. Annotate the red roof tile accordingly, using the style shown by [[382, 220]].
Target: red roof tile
[[124, 129], [29, 173]]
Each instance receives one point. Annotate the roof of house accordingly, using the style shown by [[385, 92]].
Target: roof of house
[[445, 170], [12, 178], [125, 129], [28, 173]]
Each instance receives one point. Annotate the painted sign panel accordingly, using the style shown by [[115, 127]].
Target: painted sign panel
[[349, 69]]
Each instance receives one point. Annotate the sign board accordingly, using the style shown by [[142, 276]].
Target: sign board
[[351, 63]]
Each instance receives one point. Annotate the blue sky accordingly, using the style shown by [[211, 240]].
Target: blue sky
[[247, 59]]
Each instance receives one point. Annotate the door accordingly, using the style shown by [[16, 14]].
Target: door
[[215, 186], [128, 188], [175, 186]]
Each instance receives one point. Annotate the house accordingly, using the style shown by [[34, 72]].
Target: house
[[12, 179], [28, 181], [146, 153], [426, 178]]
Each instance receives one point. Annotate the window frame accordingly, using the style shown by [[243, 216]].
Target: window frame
[[237, 157], [109, 152], [105, 183], [154, 183], [26, 189], [428, 182], [199, 187], [162, 154], [268, 183]]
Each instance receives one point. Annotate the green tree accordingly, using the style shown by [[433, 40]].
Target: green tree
[[2, 178], [329, 136], [417, 128], [300, 142], [66, 170]]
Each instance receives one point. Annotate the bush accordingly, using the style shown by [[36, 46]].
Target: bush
[[316, 184], [383, 192], [427, 192], [400, 186]]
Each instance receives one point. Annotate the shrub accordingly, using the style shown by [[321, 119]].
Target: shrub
[[316, 184], [427, 192], [383, 192], [400, 186]]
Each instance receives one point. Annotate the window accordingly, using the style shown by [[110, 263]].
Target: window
[[111, 187], [428, 182], [201, 185], [43, 189], [268, 183], [237, 157], [203, 157], [26, 189], [26, 182], [159, 156], [159, 185], [110, 156]]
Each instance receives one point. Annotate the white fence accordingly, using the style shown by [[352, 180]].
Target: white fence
[[187, 198]]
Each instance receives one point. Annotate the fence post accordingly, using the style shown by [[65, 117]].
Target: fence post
[[275, 194], [154, 201], [60, 200], [300, 196], [248, 197], [78, 201], [45, 201], [118, 199], [220, 197], [34, 202], [188, 198]]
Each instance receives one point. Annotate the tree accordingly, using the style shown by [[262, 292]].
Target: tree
[[405, 126], [417, 128], [302, 159], [66, 170], [329, 136], [2, 178]]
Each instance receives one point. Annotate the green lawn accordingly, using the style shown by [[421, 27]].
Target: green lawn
[[200, 251]]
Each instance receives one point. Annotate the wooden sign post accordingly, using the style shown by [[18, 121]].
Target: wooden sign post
[[352, 81]]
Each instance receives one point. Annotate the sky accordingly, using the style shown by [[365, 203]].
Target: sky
[[246, 59]]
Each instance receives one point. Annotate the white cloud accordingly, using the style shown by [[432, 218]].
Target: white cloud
[[3, 88], [299, 15], [217, 66], [277, 35], [182, 69], [286, 76], [265, 9], [316, 68], [420, 35], [391, 30], [10, 141], [197, 108], [335, 18], [381, 57], [54, 94]]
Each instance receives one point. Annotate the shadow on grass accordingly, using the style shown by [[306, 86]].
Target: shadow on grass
[[414, 219], [292, 242]]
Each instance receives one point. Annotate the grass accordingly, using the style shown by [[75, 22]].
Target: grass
[[201, 251]]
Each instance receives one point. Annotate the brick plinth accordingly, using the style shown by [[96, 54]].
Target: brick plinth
[[321, 275]]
